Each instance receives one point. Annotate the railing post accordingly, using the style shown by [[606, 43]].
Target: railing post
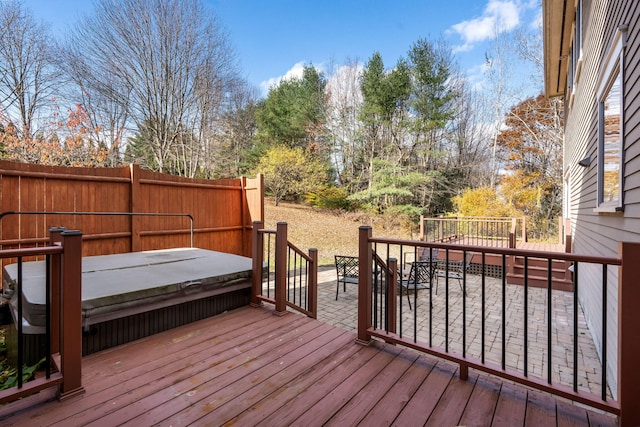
[[628, 334], [365, 260], [568, 241], [312, 283], [71, 315], [392, 284], [281, 268], [561, 232], [422, 236], [56, 272], [524, 229], [257, 254]]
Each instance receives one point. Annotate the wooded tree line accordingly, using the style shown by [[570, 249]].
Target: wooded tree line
[[156, 82]]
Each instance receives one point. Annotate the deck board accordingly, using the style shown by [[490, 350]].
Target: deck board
[[541, 410], [511, 407], [249, 367], [482, 403], [369, 396], [399, 394], [453, 402], [426, 398]]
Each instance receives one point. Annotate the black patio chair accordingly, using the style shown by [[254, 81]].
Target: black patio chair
[[419, 277], [454, 270], [347, 271]]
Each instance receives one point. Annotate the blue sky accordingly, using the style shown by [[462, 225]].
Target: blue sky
[[275, 38]]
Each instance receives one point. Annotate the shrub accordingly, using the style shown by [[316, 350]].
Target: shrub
[[330, 198]]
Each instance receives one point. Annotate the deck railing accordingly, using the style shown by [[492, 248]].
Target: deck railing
[[477, 231], [63, 330], [455, 337], [283, 275]]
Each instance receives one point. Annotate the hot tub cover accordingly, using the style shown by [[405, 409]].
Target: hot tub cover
[[133, 281]]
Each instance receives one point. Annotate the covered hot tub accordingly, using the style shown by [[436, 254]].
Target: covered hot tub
[[133, 295]]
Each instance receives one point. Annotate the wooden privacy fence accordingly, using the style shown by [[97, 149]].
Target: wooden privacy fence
[[222, 210]]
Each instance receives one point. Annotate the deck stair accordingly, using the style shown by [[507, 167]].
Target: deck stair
[[561, 278]]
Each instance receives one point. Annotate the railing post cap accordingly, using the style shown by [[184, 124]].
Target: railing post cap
[[56, 229], [72, 233], [365, 227]]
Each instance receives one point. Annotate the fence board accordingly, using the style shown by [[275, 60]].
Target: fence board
[[222, 210]]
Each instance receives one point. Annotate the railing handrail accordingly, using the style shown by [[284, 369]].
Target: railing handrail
[[282, 264], [22, 252], [502, 251], [474, 228], [367, 326], [129, 214], [466, 218], [63, 328]]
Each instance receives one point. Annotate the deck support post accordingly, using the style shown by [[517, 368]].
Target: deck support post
[[365, 260], [257, 254], [71, 315], [628, 334], [281, 268], [464, 372]]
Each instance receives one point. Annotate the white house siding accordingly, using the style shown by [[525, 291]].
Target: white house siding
[[599, 233]]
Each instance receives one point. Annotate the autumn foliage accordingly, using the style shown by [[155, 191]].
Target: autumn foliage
[[66, 142]]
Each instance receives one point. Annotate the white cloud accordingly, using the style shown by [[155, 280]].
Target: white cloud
[[295, 71], [498, 16], [462, 48]]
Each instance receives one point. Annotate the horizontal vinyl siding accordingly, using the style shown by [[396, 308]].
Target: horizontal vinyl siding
[[598, 233]]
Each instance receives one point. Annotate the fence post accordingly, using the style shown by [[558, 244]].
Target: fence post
[[312, 283], [134, 221], [281, 268], [257, 254], [628, 334], [56, 272], [71, 315], [246, 236], [365, 261]]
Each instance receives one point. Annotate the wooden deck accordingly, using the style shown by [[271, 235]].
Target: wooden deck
[[249, 367]]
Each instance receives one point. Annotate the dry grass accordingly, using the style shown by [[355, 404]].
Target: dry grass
[[331, 232]]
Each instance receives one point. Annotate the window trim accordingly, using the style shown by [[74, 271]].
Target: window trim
[[574, 63], [613, 67]]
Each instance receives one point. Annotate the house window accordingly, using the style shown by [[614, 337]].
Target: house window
[[577, 36], [611, 129], [575, 54]]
